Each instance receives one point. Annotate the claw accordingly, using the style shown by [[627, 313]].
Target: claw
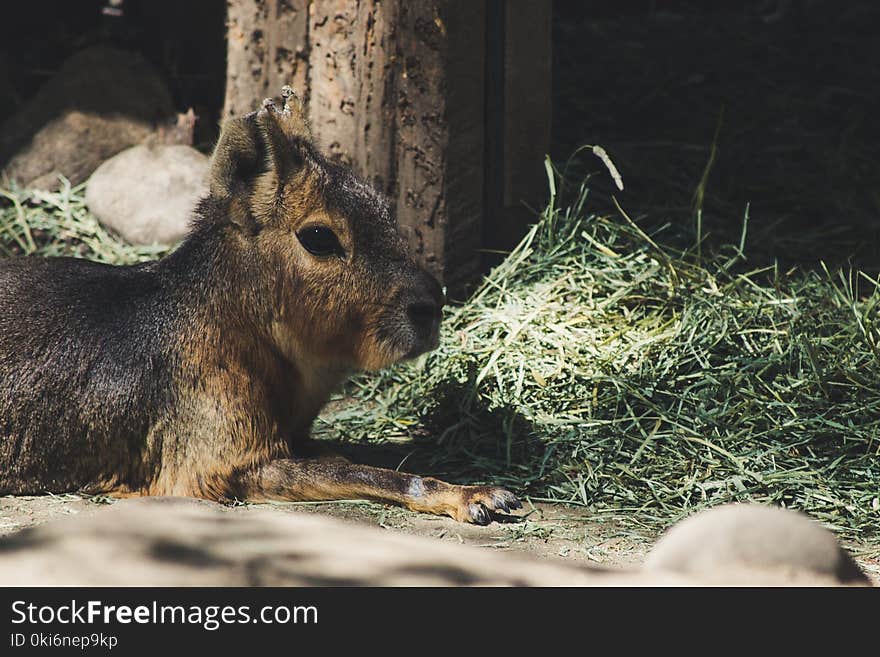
[[479, 514], [500, 503], [505, 501]]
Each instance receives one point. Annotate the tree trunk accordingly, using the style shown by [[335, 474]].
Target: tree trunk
[[267, 47]]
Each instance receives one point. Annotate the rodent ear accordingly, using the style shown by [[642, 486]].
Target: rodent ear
[[284, 127], [238, 157], [290, 114], [269, 139]]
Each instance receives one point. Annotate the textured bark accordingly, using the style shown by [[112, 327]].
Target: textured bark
[[422, 133], [334, 39], [440, 114], [396, 90], [267, 47], [373, 148]]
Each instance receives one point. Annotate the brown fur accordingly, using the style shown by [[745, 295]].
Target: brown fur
[[215, 361]]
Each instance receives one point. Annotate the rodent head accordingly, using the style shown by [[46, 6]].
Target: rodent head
[[345, 292]]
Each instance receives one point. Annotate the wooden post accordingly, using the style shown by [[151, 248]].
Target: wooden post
[[398, 90], [267, 47], [518, 119], [440, 124], [528, 93]]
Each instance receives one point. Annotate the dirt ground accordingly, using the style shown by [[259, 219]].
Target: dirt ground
[[542, 530]]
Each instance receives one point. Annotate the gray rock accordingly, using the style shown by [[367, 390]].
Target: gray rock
[[741, 542], [147, 193]]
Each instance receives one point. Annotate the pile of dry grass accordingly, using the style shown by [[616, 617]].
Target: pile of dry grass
[[597, 366], [34, 222]]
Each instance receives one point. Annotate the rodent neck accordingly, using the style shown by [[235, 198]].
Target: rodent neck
[[225, 298]]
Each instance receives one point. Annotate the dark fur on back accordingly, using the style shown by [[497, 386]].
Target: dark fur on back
[[90, 361], [95, 360], [86, 362]]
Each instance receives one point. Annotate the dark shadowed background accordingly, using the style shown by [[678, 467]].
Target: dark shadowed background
[[770, 105]]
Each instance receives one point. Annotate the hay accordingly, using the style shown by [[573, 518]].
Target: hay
[[34, 222], [596, 367]]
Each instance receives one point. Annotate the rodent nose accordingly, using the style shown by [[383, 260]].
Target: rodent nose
[[424, 313], [426, 309], [435, 291]]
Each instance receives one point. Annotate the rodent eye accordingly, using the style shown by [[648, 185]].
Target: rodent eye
[[320, 241]]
